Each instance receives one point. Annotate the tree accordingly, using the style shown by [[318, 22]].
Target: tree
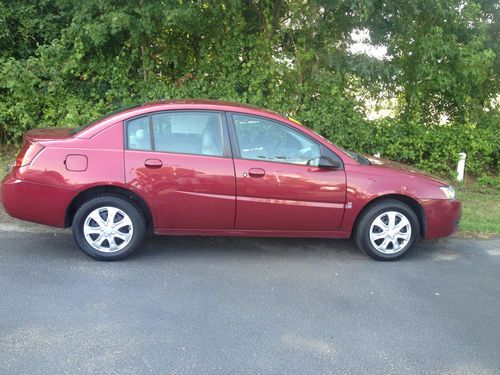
[[63, 63]]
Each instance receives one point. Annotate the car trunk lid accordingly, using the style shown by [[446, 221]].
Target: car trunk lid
[[44, 134]]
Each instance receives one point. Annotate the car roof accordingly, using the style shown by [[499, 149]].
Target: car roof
[[201, 102], [212, 104], [180, 104]]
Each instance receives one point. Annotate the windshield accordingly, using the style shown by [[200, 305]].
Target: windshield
[[89, 124]]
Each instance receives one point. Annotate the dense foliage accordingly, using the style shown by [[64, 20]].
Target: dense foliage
[[65, 62]]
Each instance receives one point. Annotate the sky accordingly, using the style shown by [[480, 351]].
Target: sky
[[362, 44]]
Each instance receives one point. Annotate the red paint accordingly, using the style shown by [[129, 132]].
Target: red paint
[[211, 195], [288, 197], [188, 191], [35, 202], [442, 217]]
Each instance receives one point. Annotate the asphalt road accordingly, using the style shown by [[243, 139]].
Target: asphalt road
[[193, 305]]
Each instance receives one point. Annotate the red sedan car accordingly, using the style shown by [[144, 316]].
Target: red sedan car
[[215, 168]]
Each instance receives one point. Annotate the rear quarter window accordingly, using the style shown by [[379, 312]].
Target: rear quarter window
[[138, 134]]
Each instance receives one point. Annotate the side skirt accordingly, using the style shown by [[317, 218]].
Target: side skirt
[[251, 233]]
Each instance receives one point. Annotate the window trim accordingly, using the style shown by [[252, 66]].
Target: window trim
[[151, 133], [226, 145], [236, 147]]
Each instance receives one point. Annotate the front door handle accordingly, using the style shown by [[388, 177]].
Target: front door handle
[[153, 163], [256, 172]]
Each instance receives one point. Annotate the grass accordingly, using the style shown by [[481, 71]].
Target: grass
[[480, 210], [480, 204]]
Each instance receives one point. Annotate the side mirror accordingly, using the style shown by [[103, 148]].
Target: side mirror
[[324, 162], [328, 163]]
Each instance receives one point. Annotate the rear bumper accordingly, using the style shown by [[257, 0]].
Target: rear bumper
[[442, 217], [38, 203]]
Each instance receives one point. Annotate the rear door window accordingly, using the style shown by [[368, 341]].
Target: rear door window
[[185, 132]]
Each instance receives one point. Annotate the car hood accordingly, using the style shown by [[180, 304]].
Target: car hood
[[389, 164]]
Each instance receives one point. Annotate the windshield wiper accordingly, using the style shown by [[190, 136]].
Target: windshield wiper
[[356, 155]]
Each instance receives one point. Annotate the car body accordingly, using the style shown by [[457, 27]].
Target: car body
[[200, 167]]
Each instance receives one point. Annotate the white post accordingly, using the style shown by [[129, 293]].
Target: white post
[[461, 166]]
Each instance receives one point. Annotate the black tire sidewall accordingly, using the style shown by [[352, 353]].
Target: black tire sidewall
[[129, 208], [363, 230]]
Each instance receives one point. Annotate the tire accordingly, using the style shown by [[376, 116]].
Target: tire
[[103, 239], [387, 230]]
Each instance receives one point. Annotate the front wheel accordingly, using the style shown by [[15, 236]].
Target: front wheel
[[108, 228], [387, 230]]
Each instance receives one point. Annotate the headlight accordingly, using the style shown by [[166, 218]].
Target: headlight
[[448, 191]]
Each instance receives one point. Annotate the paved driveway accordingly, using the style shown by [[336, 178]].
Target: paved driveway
[[193, 305]]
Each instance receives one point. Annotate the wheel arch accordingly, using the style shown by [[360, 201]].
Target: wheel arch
[[409, 201], [118, 191]]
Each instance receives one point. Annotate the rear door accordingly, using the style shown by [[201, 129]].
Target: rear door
[[181, 161], [279, 185]]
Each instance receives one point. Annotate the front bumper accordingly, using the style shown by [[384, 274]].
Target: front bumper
[[442, 217], [34, 202]]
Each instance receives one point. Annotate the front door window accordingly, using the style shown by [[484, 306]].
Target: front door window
[[261, 139]]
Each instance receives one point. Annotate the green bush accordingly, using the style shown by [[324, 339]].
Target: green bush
[[64, 63], [435, 148]]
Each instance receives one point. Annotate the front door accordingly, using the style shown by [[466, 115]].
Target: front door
[[279, 184], [180, 161]]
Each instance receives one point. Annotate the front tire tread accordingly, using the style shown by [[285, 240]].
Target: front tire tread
[[361, 232]]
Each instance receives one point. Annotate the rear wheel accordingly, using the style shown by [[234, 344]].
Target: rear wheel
[[387, 230], [108, 228]]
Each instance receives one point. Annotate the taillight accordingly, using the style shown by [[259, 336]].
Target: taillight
[[28, 153]]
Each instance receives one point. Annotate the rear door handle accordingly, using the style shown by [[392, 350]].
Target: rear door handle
[[153, 163], [256, 172]]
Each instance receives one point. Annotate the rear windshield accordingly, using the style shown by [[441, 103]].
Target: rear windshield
[[89, 124]]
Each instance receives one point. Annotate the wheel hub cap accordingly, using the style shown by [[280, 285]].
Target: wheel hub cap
[[108, 229], [390, 232]]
